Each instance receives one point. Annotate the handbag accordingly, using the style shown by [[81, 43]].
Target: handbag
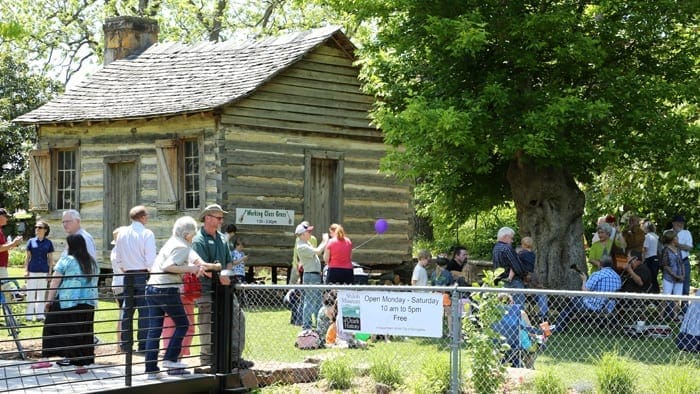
[[191, 286]]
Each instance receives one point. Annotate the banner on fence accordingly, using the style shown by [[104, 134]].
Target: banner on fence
[[391, 313]]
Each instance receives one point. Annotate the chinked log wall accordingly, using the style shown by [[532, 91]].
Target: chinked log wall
[[315, 105], [128, 138]]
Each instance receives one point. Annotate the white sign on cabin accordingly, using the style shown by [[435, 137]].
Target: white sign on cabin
[[267, 217]]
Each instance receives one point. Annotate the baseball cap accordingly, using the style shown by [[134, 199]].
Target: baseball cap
[[3, 211], [302, 228], [679, 218]]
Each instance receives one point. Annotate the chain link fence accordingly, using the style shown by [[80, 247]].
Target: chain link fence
[[483, 331], [400, 338]]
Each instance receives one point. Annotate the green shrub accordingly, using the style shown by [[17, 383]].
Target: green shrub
[[385, 371], [338, 373], [17, 257], [434, 375], [615, 375], [484, 349], [546, 382], [677, 379]]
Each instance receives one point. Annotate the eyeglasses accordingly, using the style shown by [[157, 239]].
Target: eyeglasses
[[217, 217], [39, 227]]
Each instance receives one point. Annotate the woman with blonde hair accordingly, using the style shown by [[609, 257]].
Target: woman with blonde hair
[[338, 257]]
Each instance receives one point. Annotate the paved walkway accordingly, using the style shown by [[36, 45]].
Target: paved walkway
[[18, 377]]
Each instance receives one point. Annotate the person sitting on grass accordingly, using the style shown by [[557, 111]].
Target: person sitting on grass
[[606, 280]]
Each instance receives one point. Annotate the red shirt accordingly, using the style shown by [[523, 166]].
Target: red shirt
[[4, 256], [340, 253]]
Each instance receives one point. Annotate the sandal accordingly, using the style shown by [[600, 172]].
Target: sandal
[[41, 364]]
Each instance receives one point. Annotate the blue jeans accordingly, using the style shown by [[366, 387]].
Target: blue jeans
[[161, 301], [312, 300], [131, 304], [518, 298], [686, 284]]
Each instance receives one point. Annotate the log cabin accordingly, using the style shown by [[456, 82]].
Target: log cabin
[[276, 130]]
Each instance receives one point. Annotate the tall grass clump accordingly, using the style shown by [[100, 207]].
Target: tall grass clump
[[338, 373], [384, 371], [546, 382], [434, 375], [615, 375], [677, 379]]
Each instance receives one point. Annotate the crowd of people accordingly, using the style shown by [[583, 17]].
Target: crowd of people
[[146, 281], [150, 282]]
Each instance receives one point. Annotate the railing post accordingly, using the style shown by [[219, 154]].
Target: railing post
[[128, 307], [455, 341], [221, 330]]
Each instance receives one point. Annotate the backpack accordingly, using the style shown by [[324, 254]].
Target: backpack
[[191, 286], [308, 339]]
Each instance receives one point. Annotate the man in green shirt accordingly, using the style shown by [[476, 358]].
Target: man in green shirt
[[210, 244]]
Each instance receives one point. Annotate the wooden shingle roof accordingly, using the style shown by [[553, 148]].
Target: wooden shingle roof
[[172, 78]]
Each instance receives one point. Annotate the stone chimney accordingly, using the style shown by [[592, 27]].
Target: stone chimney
[[126, 35]]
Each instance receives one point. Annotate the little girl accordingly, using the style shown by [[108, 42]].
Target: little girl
[[239, 258]]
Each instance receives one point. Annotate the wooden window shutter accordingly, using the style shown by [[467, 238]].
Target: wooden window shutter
[[166, 156], [39, 179]]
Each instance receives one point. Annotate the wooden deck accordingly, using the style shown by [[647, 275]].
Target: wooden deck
[[17, 376]]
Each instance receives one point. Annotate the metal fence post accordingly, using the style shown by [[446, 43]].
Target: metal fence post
[[456, 339]]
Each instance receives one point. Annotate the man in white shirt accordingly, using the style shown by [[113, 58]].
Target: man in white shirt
[[71, 224], [135, 252]]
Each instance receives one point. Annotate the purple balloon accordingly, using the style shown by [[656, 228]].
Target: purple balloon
[[380, 226]]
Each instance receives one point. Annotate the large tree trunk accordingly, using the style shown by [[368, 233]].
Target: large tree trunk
[[550, 207]]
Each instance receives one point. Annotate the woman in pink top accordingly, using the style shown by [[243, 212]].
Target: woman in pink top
[[338, 257]]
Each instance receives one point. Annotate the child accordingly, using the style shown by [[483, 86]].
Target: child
[[528, 257], [420, 275], [442, 277], [239, 258]]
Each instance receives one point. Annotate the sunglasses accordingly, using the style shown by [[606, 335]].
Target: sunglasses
[[39, 227]]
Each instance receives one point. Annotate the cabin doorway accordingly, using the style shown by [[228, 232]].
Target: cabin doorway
[[323, 195], [120, 194]]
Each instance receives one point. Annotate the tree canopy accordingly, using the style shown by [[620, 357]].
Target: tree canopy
[[487, 100]]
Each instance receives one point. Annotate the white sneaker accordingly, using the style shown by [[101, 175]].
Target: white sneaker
[[154, 376], [174, 365]]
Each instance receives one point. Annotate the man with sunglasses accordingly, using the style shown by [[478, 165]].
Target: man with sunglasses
[[211, 245]]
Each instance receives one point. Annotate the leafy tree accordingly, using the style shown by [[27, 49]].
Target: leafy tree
[[20, 92], [530, 100]]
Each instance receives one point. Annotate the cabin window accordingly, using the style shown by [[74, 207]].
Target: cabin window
[[66, 186], [191, 174], [179, 174], [53, 179]]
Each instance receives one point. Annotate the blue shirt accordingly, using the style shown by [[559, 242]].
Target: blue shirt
[[73, 289], [238, 269], [604, 281], [39, 254]]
